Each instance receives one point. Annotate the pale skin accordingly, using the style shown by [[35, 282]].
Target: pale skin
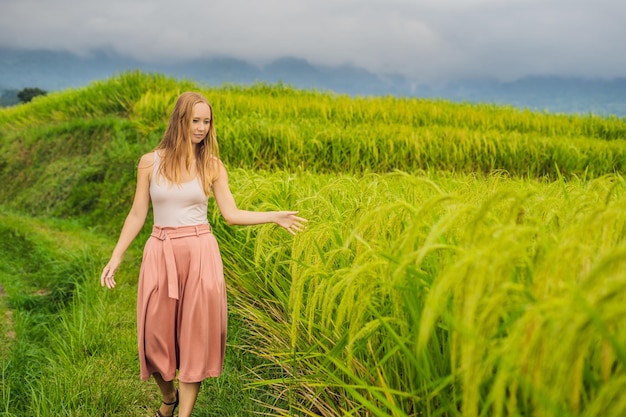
[[188, 392]]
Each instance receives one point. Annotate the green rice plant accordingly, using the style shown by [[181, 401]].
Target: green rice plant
[[112, 97], [303, 333], [282, 102], [520, 296], [151, 111], [578, 300], [406, 299]]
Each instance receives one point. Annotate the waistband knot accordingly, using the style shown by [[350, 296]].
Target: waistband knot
[[164, 234]]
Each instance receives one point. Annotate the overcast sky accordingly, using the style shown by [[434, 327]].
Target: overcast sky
[[423, 39]]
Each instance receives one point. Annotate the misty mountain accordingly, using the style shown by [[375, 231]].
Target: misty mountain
[[54, 71]]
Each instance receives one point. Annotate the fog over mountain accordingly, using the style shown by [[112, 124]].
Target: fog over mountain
[[53, 71]]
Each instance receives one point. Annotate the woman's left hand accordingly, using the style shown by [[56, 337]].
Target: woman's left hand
[[290, 222]]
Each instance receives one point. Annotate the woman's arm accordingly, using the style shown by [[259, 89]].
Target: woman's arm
[[134, 221], [234, 216]]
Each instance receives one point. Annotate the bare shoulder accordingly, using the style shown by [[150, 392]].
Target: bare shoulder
[[146, 161], [217, 166], [216, 160]]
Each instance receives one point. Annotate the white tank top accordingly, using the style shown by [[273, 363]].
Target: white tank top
[[175, 205]]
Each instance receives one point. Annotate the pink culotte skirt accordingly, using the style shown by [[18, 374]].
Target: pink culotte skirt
[[181, 305]]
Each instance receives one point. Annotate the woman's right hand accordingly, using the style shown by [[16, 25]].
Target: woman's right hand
[[108, 273], [134, 221]]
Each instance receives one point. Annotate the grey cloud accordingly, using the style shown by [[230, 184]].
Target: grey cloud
[[420, 38]]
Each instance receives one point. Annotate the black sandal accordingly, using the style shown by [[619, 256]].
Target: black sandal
[[174, 403]]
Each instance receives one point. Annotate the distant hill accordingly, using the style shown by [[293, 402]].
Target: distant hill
[[53, 71]]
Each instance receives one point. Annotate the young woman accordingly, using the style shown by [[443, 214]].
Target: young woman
[[181, 302]]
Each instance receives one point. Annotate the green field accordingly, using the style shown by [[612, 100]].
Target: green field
[[460, 259]]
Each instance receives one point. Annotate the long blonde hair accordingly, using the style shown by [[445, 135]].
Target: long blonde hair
[[176, 144]]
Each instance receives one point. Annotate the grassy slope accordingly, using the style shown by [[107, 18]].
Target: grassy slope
[[70, 348]]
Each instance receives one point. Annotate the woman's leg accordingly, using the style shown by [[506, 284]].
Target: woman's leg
[[168, 392], [188, 393]]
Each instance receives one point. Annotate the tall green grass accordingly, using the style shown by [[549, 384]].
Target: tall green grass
[[440, 296]]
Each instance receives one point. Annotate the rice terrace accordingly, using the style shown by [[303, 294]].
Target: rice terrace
[[460, 260]]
